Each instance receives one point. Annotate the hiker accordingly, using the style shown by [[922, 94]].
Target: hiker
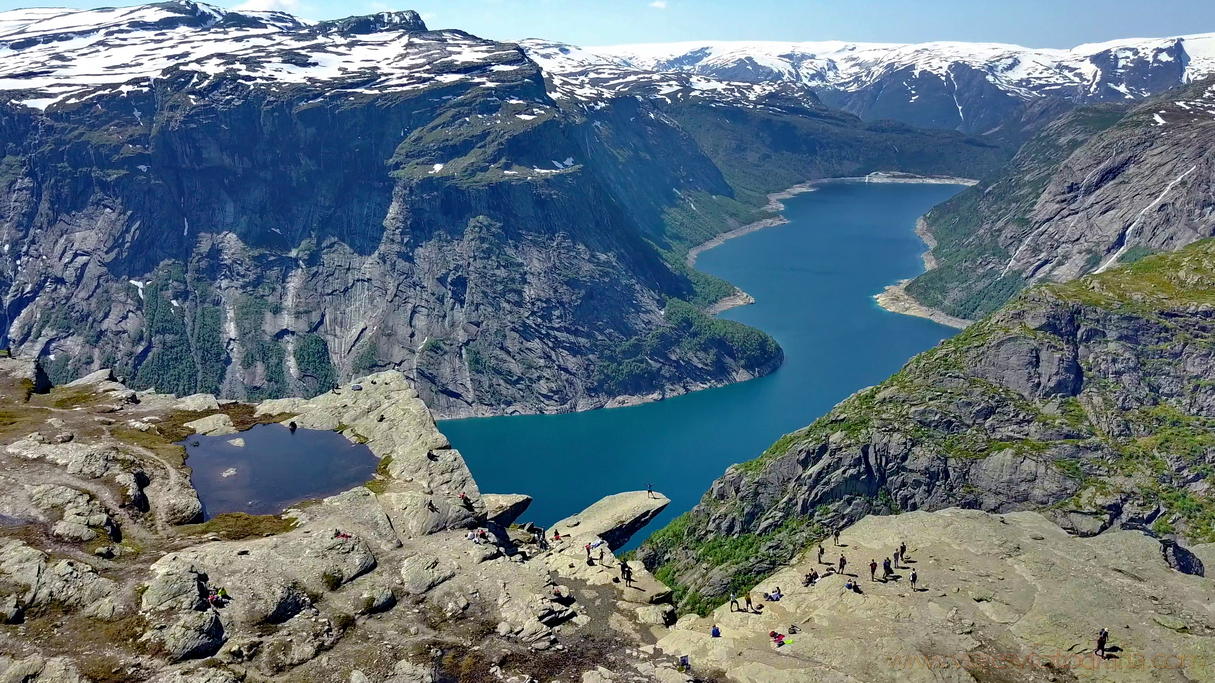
[[848, 586], [649, 489], [872, 569], [715, 633], [896, 558], [556, 535], [914, 577], [836, 535], [820, 553], [843, 563], [628, 574], [807, 581], [886, 571], [465, 501], [733, 602], [588, 551], [601, 556], [777, 595], [814, 577], [747, 599], [473, 537], [903, 551], [1102, 639], [292, 427]]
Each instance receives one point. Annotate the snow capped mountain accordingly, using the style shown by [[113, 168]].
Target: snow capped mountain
[[60, 56], [50, 56], [969, 86], [578, 75]]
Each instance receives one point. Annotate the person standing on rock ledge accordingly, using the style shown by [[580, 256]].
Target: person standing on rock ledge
[[872, 570], [843, 562], [649, 489]]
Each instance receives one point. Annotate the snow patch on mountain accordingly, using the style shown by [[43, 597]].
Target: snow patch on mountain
[[57, 56]]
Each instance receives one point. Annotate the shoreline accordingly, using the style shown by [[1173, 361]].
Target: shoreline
[[738, 298], [895, 299], [775, 205]]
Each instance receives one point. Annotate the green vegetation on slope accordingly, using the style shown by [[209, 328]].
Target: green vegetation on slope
[[632, 367]]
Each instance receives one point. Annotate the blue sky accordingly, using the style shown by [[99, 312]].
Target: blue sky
[[1035, 23]]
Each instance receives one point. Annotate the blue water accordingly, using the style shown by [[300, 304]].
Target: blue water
[[813, 279], [275, 469]]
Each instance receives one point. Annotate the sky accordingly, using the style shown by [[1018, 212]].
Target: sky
[[1033, 23]]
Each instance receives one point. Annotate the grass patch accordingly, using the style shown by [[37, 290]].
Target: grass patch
[[235, 526]]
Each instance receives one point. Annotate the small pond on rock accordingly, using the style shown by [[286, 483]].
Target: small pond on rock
[[274, 469]]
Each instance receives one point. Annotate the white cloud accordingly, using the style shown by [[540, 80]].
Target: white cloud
[[659, 4], [269, 6]]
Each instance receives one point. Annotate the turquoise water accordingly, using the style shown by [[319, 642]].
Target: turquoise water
[[813, 279]]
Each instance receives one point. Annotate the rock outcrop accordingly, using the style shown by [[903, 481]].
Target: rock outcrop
[[1088, 401], [1010, 597], [405, 579], [504, 509], [615, 518]]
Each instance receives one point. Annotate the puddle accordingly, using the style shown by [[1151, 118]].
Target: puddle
[[274, 469]]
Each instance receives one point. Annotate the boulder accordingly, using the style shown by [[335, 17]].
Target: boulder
[[193, 635], [408, 672], [70, 583], [90, 461], [198, 674], [421, 574], [213, 425], [10, 610], [614, 518], [1180, 558], [39, 669], [97, 377], [505, 508], [175, 586], [197, 403]]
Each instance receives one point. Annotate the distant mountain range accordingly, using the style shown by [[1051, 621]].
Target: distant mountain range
[[971, 87]]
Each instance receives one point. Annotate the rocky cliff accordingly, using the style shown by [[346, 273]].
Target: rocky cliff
[[109, 573], [1090, 402], [249, 205], [1099, 186]]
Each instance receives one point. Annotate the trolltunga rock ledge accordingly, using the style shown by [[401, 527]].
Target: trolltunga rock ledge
[[614, 518]]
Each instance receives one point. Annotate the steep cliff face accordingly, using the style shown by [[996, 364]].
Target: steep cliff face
[[1099, 186], [1089, 401], [259, 207], [209, 232]]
